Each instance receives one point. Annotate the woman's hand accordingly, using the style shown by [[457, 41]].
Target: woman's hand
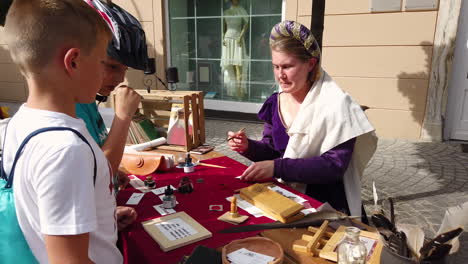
[[125, 216], [238, 141], [259, 171]]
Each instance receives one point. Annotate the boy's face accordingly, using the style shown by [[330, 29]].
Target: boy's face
[[114, 74], [92, 72]]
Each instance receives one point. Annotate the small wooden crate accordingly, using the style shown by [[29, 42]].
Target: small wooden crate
[[157, 107]]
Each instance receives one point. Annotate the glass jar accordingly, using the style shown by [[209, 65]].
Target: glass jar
[[351, 250]]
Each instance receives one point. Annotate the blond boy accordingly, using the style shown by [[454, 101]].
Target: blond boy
[[60, 47]]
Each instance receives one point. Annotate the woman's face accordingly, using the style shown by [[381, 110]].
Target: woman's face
[[235, 2], [290, 72]]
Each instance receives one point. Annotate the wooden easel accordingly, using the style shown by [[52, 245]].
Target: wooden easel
[[313, 244]]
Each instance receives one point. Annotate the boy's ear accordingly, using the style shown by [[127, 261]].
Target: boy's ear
[[70, 60]]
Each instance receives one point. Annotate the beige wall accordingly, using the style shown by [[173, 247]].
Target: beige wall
[[382, 59], [148, 12]]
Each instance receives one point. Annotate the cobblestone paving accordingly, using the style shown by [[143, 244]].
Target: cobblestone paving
[[424, 178]]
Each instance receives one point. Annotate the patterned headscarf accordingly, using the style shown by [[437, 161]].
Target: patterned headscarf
[[299, 32]]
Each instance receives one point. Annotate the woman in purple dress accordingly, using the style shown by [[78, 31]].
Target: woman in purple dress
[[315, 137]]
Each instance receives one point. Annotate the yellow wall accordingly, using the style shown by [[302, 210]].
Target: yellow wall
[[148, 12], [382, 59]]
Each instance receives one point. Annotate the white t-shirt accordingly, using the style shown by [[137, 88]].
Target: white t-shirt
[[53, 185]]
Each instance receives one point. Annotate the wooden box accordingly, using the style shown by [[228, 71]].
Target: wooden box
[[157, 107]]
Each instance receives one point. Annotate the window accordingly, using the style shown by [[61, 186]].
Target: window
[[221, 47]]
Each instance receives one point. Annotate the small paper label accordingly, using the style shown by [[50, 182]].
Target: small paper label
[[287, 194], [162, 196], [163, 211], [161, 190], [245, 256], [135, 198], [138, 184], [176, 228]]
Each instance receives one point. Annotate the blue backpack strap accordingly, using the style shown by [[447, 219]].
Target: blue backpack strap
[[41, 130]]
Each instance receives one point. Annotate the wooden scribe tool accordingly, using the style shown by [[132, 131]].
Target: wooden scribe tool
[[233, 216], [311, 244]]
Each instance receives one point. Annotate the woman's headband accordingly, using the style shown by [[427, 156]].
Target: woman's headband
[[299, 32]]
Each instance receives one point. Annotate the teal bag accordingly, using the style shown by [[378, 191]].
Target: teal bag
[[13, 246]]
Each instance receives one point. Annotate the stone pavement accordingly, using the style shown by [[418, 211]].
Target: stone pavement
[[424, 178]]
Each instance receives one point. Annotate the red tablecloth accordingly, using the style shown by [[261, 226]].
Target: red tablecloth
[[138, 247]]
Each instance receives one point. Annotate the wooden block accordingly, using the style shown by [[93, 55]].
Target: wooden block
[[227, 217], [272, 203], [311, 245], [315, 229], [300, 246]]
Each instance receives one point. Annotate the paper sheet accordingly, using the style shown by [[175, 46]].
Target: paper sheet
[[176, 228], [245, 256]]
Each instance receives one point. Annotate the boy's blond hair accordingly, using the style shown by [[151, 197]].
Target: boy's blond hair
[[35, 30]]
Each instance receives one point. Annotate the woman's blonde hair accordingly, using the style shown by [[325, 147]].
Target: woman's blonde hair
[[36, 29], [296, 49]]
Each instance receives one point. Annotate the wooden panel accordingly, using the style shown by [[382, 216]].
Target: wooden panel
[[409, 62], [5, 54], [148, 27], [141, 9], [10, 73], [291, 10], [398, 94], [305, 20], [136, 79], [305, 8], [413, 28], [347, 7], [2, 38], [13, 92], [396, 123], [160, 40]]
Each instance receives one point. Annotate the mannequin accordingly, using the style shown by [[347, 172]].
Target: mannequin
[[233, 52]]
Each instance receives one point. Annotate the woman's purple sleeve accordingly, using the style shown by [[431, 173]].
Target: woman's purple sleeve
[[262, 149], [327, 168]]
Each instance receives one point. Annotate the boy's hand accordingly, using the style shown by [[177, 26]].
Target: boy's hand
[[122, 179], [125, 216], [126, 102]]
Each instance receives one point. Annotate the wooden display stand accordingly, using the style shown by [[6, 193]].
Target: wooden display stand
[[157, 107]]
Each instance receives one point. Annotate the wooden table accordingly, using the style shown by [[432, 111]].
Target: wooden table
[[285, 237]]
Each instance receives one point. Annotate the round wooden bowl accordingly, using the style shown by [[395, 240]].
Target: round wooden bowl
[[257, 244]]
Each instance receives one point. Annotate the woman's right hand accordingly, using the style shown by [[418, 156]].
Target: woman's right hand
[[238, 141]]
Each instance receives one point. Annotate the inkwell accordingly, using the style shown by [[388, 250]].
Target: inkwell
[[189, 166], [169, 199], [149, 182]]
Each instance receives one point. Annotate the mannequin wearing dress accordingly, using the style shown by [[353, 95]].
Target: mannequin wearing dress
[[233, 51]]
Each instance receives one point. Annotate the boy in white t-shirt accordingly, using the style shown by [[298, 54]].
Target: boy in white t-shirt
[[66, 217]]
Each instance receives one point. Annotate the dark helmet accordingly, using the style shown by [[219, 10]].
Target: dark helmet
[[4, 6], [128, 45]]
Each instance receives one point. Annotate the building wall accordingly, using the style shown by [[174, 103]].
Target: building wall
[[149, 12], [382, 59]]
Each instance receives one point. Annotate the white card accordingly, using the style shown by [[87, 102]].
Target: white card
[[163, 211], [175, 228], [135, 198], [138, 184], [161, 190], [287, 194], [245, 256]]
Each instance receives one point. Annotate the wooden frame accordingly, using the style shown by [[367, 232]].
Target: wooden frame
[[330, 248], [157, 107], [166, 244]]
